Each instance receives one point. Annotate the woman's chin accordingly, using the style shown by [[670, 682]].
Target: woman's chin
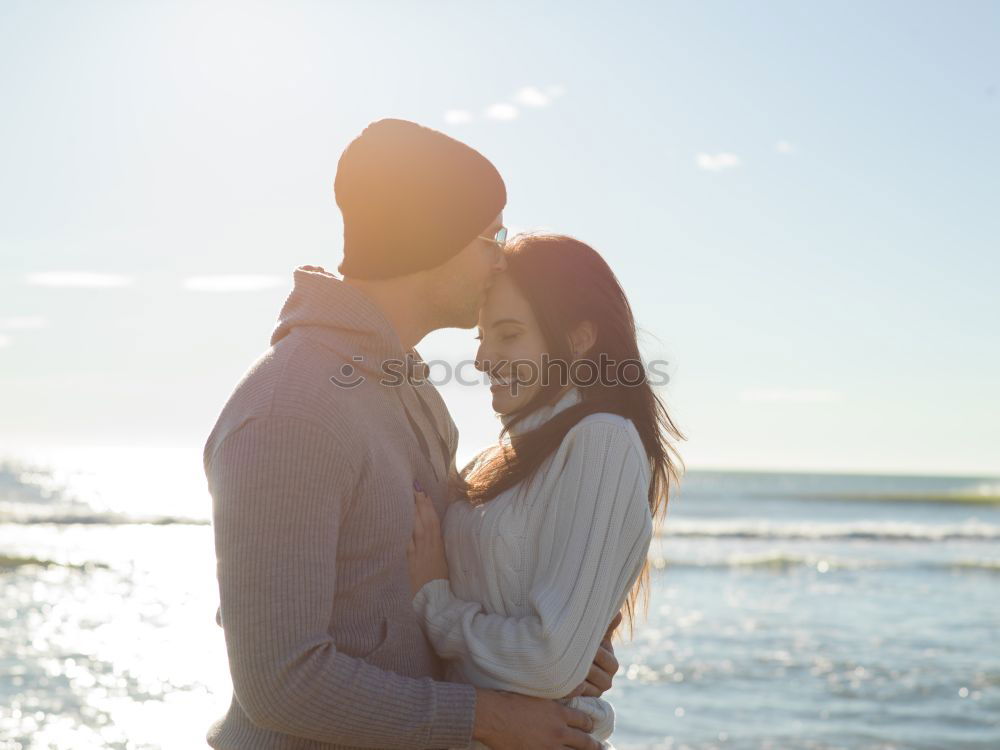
[[500, 405], [503, 402]]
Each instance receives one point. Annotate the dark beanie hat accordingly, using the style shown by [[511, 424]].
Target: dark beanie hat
[[411, 198]]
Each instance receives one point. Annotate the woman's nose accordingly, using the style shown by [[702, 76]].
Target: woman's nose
[[481, 361]]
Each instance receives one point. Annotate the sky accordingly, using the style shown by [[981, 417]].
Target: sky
[[800, 200]]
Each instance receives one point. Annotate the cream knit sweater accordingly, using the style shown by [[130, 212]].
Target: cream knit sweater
[[538, 572]]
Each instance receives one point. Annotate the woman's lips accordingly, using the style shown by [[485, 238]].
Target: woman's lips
[[499, 384]]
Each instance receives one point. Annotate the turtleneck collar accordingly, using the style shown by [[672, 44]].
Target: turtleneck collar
[[544, 414]]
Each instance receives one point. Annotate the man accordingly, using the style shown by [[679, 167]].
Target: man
[[311, 467]]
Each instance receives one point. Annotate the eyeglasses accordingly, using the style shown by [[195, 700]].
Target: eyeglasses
[[498, 239]]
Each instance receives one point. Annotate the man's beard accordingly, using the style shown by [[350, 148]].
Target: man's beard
[[470, 315], [463, 313]]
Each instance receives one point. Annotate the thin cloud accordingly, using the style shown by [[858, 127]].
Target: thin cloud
[[77, 279], [530, 96], [717, 162], [527, 97], [232, 283], [501, 111], [784, 147], [457, 116], [794, 395], [22, 322], [4, 341]]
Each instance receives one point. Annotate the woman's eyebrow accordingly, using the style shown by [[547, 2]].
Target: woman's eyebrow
[[515, 321]]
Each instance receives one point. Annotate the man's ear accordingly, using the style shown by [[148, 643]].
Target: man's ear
[[582, 338]]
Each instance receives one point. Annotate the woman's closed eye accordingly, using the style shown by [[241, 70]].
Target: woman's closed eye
[[505, 338]]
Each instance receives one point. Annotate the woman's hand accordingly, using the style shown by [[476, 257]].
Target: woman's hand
[[426, 549], [604, 667]]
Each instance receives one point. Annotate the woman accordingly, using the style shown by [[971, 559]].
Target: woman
[[548, 536]]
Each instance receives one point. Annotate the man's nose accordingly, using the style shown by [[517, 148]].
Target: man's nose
[[501, 262]]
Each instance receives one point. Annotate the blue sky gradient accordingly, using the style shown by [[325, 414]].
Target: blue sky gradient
[[800, 200]]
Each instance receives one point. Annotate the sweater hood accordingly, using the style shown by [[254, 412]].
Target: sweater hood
[[321, 304]]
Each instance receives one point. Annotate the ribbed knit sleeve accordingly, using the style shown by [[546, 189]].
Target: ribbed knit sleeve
[[280, 486], [592, 534]]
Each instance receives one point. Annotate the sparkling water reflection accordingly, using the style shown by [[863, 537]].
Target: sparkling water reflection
[[776, 620]]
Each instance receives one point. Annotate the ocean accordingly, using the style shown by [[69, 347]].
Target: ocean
[[786, 611]]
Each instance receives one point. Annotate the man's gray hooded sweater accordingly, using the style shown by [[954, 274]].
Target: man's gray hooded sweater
[[311, 468]]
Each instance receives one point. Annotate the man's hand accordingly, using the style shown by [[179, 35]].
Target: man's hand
[[604, 667], [425, 553], [507, 721]]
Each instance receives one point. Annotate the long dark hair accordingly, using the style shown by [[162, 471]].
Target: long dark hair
[[567, 282]]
